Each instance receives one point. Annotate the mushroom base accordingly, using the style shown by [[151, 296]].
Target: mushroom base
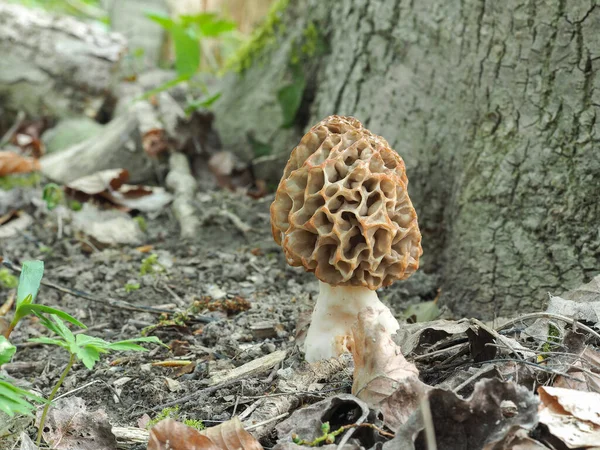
[[336, 310]]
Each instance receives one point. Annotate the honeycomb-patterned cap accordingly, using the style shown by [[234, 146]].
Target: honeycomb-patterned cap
[[342, 208]]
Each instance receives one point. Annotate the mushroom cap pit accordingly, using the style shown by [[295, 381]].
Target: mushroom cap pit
[[342, 208]]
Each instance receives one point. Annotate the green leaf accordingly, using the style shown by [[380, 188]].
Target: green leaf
[[29, 281], [162, 19], [53, 195], [14, 400], [39, 309], [217, 27], [163, 87], [50, 341], [131, 344], [7, 350], [209, 24], [204, 102], [259, 148], [290, 98], [187, 51], [422, 312]]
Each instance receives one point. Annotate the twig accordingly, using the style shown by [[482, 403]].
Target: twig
[[469, 380], [176, 297], [265, 422], [440, 352], [187, 398], [9, 134], [545, 315], [428, 424], [110, 388], [118, 304]]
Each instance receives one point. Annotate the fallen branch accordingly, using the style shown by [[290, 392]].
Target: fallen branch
[[55, 66], [117, 147], [183, 185]]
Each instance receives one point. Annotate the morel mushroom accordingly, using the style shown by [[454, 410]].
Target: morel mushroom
[[342, 211]]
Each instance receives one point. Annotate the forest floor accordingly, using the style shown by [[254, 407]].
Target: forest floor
[[266, 300]]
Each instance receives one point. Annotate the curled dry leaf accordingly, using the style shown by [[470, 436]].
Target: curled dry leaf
[[473, 423], [13, 223], [111, 185], [169, 434], [383, 378], [584, 373], [416, 337], [571, 416], [70, 426], [11, 163]]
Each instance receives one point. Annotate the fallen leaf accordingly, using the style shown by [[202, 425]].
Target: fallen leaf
[[422, 312], [231, 434], [100, 182], [383, 378], [478, 340], [27, 443], [14, 224], [11, 162], [473, 423], [516, 439], [339, 410], [171, 435], [413, 338], [107, 226], [155, 142], [585, 370], [70, 426], [571, 416], [110, 185]]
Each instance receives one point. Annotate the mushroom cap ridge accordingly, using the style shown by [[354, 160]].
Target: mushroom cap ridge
[[342, 208]]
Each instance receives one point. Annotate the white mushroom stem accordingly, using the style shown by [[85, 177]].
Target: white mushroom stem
[[336, 310]]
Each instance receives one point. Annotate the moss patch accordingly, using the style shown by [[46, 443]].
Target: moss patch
[[9, 182], [263, 37]]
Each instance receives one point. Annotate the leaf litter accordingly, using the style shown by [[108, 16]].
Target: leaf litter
[[527, 384]]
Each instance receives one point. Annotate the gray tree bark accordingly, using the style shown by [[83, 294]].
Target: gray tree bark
[[54, 66], [493, 106]]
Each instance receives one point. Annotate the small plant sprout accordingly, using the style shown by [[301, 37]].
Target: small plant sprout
[[29, 285], [130, 287], [82, 347], [151, 265], [54, 197], [13, 400]]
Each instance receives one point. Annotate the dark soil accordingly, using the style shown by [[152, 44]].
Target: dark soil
[[221, 262]]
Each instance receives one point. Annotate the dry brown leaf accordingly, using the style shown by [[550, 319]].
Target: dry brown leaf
[[11, 163], [99, 182], [70, 426], [107, 226], [155, 142], [383, 378], [494, 411], [516, 439], [231, 434], [169, 434], [571, 416], [109, 185], [585, 380], [13, 223]]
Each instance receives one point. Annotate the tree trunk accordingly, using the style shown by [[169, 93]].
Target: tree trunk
[[493, 107], [54, 66]]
